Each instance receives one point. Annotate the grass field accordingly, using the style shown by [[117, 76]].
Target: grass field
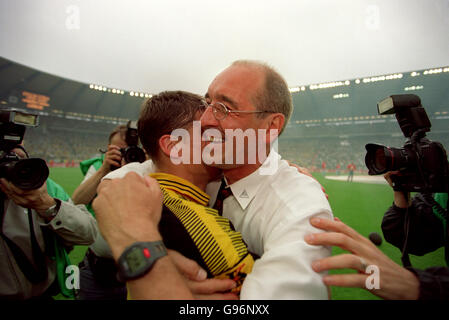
[[359, 205]]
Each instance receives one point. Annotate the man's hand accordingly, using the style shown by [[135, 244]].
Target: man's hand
[[400, 198], [307, 173], [128, 210], [112, 158], [196, 279], [37, 199], [396, 282]]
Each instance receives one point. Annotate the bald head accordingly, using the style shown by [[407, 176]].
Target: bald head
[[273, 94]]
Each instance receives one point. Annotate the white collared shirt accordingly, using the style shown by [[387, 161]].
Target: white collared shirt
[[272, 213]]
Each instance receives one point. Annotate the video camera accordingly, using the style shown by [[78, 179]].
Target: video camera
[[132, 153], [422, 164], [26, 174]]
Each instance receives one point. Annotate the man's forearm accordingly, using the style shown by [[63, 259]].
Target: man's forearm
[[400, 200], [163, 282], [86, 191], [128, 210], [73, 224]]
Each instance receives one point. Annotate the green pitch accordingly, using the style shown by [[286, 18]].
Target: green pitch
[[359, 205]]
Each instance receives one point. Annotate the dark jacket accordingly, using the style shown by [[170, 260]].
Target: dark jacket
[[426, 234]]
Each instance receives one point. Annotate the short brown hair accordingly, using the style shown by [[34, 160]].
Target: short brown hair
[[163, 113], [275, 95]]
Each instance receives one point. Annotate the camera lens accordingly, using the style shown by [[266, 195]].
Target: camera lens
[[375, 159], [28, 174], [134, 154], [380, 159]]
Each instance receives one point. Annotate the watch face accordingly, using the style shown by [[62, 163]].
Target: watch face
[[136, 260]]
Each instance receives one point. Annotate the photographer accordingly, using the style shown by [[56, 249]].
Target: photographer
[[38, 221], [426, 231], [419, 226], [98, 270], [96, 168], [427, 226], [420, 166]]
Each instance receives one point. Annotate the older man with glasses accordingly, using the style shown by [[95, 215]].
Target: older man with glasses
[[270, 208]]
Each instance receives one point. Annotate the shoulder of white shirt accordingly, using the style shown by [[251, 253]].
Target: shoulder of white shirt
[[142, 169]]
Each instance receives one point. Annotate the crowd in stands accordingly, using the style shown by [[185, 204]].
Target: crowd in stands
[[327, 155], [67, 141]]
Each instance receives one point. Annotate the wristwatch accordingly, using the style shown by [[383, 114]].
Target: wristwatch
[[138, 259], [52, 211]]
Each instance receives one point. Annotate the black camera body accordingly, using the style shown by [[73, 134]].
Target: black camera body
[[422, 163], [26, 174], [132, 153]]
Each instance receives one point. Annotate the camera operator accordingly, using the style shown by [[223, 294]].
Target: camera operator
[[96, 168], [427, 226], [38, 221], [426, 231], [420, 166], [418, 226], [98, 269]]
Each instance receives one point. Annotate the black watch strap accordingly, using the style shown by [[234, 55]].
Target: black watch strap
[[139, 258]]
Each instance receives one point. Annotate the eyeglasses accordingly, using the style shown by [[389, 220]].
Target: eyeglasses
[[221, 111]]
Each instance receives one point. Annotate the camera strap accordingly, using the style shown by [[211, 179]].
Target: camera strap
[[446, 248], [406, 263], [33, 274], [442, 214], [405, 257]]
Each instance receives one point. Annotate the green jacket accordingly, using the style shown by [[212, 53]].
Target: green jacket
[[84, 166], [96, 162], [441, 199]]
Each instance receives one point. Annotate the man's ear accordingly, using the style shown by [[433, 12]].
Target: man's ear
[[166, 144], [274, 125]]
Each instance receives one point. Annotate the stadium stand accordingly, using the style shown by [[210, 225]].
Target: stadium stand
[[331, 122], [64, 140], [334, 151]]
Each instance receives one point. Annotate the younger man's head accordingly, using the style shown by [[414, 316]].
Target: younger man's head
[[159, 117]]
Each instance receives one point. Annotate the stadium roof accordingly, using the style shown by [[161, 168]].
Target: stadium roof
[[46, 94], [330, 102], [152, 46]]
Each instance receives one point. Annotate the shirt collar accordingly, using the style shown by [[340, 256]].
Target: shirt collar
[[181, 186], [246, 188]]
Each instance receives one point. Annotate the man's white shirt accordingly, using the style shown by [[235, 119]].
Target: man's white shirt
[[272, 213]]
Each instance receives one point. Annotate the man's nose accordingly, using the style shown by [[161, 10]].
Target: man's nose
[[208, 119]]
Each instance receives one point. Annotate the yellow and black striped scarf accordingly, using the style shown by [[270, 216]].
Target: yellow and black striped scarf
[[199, 232]]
